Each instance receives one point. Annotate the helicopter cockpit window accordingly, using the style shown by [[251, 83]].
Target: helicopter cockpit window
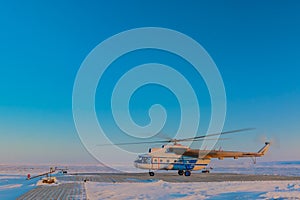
[[143, 159]]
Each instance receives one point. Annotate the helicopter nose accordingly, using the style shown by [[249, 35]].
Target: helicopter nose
[[135, 163]]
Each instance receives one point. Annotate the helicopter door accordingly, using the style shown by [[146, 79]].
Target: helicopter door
[[155, 163]]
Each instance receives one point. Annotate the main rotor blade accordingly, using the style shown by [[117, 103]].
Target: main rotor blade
[[161, 141], [214, 134], [129, 143], [201, 139], [197, 138]]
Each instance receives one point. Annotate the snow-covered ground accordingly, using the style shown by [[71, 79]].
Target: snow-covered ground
[[199, 190], [13, 183], [13, 186], [286, 168]]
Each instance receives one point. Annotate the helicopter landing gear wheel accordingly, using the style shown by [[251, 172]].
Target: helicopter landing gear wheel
[[151, 173], [180, 172], [187, 173]]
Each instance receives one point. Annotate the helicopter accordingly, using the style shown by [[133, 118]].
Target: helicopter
[[185, 159]]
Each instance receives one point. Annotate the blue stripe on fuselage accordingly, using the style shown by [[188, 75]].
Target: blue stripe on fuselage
[[185, 166]]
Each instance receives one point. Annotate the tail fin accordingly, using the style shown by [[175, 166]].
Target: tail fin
[[264, 149]]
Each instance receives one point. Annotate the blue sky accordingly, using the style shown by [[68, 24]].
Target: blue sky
[[255, 45]]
